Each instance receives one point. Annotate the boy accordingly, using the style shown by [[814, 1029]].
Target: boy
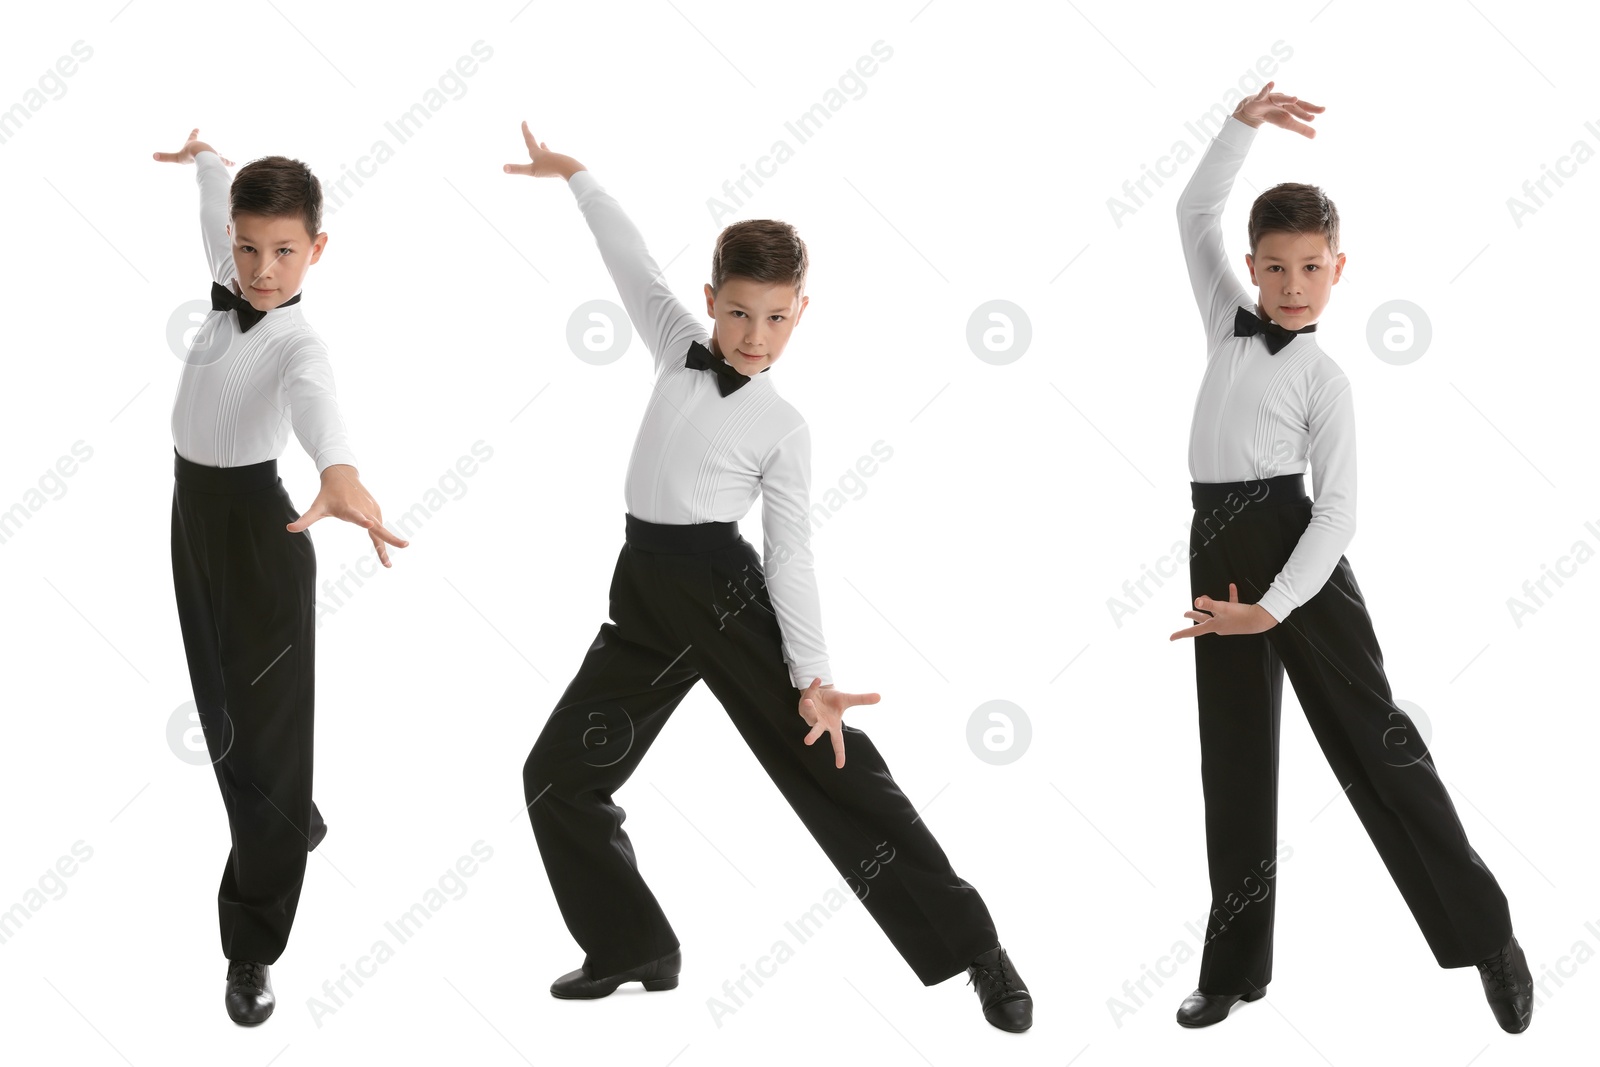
[[243, 568], [1263, 407], [690, 599]]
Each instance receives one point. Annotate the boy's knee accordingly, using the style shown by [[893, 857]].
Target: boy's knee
[[543, 777]]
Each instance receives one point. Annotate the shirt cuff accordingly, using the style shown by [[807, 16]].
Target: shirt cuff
[[1236, 133], [801, 676], [1276, 603], [328, 457]]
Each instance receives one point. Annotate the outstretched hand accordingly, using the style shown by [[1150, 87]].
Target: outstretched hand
[[823, 707], [342, 496], [1280, 109], [544, 163], [192, 147], [1226, 617]]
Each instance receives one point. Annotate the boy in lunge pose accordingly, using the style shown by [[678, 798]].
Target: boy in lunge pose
[[690, 600]]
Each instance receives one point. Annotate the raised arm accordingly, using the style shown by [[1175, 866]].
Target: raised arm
[[211, 172], [214, 180], [1216, 288], [1332, 452], [665, 324], [787, 559]]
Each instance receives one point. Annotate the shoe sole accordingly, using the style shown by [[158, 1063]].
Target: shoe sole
[[1247, 998], [653, 985], [1008, 1029]]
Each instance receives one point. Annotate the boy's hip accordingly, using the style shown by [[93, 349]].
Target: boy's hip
[[224, 481], [1252, 495], [679, 539]]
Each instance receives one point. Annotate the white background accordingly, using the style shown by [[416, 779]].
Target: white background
[[976, 564]]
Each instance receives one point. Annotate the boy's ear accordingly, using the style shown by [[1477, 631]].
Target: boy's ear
[[711, 301], [317, 246], [1250, 264]]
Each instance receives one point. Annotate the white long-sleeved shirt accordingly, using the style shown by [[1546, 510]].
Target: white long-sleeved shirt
[[239, 393], [700, 456], [1258, 415]]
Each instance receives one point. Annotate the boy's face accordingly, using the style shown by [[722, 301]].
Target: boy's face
[[1296, 274], [752, 321], [272, 253]]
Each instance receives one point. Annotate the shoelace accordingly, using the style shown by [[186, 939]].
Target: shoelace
[[247, 972], [1497, 969], [995, 972]]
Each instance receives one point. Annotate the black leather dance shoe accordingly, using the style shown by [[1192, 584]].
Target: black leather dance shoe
[[657, 974], [1508, 984], [1005, 999], [1208, 1009], [249, 994]]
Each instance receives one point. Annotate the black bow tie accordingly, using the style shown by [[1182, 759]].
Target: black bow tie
[[728, 379], [1247, 322], [223, 299]]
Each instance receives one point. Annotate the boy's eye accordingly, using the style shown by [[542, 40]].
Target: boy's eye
[[1311, 266], [776, 318]]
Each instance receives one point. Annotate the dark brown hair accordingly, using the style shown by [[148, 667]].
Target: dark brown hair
[[278, 185], [1291, 207], [763, 250]]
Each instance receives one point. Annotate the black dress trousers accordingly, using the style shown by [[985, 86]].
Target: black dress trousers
[[690, 603], [1244, 532], [246, 603]]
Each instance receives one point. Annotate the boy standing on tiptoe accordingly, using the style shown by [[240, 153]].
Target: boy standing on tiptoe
[[691, 599], [1271, 399], [243, 567]]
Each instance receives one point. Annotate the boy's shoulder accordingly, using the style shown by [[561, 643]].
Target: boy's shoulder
[[780, 416], [297, 332], [1320, 367]]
